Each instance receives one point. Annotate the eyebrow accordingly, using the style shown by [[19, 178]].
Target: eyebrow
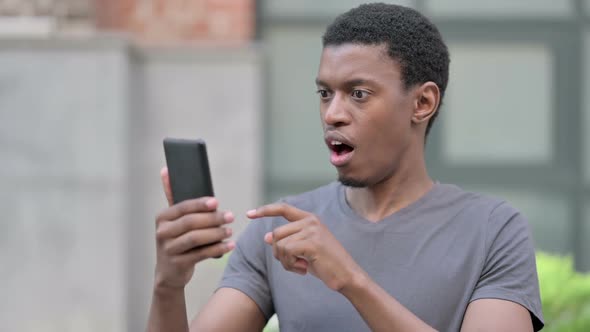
[[349, 83], [320, 82]]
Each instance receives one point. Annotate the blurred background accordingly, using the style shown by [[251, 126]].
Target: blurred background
[[89, 88]]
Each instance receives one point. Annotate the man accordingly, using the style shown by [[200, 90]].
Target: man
[[384, 249]]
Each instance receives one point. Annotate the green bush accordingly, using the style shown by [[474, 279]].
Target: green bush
[[272, 325], [565, 294]]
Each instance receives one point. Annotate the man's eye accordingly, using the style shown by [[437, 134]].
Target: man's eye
[[323, 93], [359, 94]]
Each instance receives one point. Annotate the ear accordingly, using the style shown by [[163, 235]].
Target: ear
[[426, 103]]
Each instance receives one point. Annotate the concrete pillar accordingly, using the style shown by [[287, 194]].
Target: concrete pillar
[[81, 128]]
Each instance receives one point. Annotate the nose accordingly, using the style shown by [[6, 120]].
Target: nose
[[335, 113]]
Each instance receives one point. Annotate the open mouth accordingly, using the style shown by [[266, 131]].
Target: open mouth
[[340, 148], [340, 151]]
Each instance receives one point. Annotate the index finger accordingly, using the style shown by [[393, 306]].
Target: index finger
[[285, 210]]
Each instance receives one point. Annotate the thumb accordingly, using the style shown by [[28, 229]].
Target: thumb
[[166, 185]]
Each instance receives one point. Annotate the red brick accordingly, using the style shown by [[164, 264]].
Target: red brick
[[180, 20]]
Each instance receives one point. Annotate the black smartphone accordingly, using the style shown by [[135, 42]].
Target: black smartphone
[[188, 168]]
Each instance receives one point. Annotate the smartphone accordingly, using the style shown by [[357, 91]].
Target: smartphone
[[188, 168]]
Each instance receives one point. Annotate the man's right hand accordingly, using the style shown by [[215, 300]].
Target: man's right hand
[[187, 233]]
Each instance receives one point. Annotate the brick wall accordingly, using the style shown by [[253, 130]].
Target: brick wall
[[150, 21], [174, 21], [57, 8]]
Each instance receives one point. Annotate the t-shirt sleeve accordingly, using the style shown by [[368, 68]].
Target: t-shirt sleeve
[[510, 270], [246, 270]]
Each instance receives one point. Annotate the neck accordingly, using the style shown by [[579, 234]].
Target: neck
[[408, 183]]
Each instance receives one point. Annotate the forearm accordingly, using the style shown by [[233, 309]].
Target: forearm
[[168, 311], [381, 311]]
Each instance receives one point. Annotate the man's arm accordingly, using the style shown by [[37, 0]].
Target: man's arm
[[168, 311], [496, 315], [506, 297], [229, 310], [383, 313], [186, 234]]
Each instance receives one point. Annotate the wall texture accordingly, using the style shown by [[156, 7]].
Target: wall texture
[[81, 128], [174, 21]]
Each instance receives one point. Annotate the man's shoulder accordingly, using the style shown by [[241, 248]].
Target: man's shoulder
[[487, 205]]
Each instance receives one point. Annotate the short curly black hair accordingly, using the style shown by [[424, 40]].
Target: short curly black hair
[[412, 40]]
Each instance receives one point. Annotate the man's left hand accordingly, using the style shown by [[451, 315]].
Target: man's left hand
[[306, 245]]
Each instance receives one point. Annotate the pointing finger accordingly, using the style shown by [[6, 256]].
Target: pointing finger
[[285, 210]]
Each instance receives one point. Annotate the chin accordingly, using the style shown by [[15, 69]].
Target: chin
[[352, 182]]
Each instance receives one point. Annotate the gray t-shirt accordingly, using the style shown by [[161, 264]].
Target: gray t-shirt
[[434, 256]]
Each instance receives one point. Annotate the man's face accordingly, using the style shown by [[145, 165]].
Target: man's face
[[366, 112]]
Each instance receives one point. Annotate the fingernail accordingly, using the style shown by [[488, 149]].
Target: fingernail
[[231, 245], [228, 217], [228, 231], [268, 237], [251, 213], [211, 203]]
